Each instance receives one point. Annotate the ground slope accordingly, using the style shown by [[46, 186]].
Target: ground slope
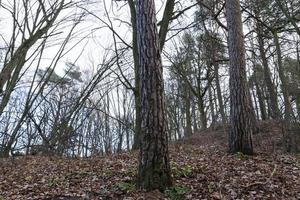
[[201, 169]]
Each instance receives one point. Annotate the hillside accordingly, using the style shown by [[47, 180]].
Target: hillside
[[201, 170]]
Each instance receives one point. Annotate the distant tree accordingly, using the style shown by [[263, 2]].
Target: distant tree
[[154, 166], [241, 127], [28, 29]]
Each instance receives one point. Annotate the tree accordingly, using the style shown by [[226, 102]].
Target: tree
[[240, 134], [167, 18], [154, 166], [36, 25]]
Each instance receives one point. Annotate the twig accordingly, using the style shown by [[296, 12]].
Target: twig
[[265, 182]]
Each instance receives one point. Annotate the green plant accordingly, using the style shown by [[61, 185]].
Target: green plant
[[177, 192], [241, 156], [210, 187], [126, 187], [185, 171]]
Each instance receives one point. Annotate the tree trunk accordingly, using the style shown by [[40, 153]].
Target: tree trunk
[[154, 166], [167, 17], [188, 117], [252, 92], [219, 93], [137, 99], [203, 118], [261, 101], [284, 84], [274, 112], [194, 114], [241, 128], [298, 73], [212, 107]]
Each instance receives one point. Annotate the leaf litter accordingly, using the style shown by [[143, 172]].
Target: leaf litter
[[201, 169]]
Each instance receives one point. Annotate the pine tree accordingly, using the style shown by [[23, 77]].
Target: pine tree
[[241, 118], [154, 166]]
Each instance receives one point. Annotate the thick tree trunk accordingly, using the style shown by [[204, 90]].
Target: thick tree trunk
[[168, 12], [154, 166], [241, 125]]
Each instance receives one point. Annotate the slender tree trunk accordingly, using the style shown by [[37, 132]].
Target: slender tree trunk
[[273, 101], [195, 124], [154, 166], [212, 107], [188, 117], [241, 123], [298, 73], [252, 92], [284, 84], [261, 101], [136, 92], [219, 93]]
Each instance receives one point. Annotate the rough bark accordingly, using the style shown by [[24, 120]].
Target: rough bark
[[168, 12], [241, 125], [154, 166]]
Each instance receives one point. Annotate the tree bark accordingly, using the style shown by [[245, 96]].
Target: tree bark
[[241, 125], [168, 12], [154, 166]]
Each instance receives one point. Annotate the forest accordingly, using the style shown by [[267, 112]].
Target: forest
[[149, 99]]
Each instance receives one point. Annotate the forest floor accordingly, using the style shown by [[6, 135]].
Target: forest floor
[[201, 169]]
